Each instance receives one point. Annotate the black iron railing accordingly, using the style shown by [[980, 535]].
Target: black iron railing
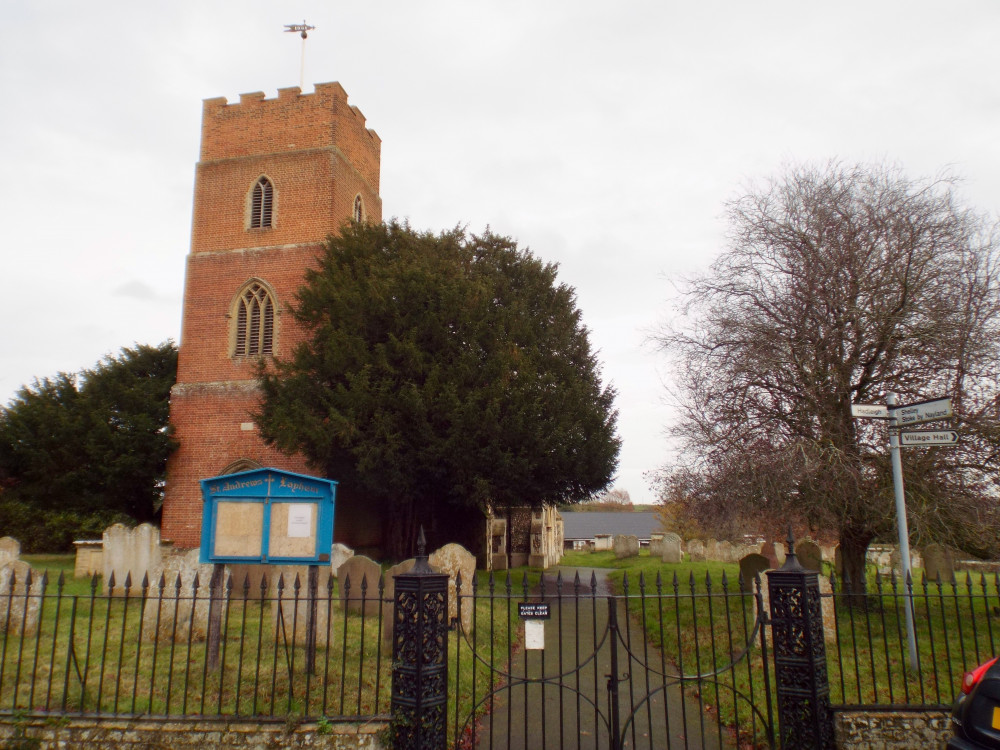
[[173, 648]]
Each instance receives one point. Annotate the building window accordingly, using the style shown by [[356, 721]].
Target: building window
[[262, 204], [359, 208], [254, 322]]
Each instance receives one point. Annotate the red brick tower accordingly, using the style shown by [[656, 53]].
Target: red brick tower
[[275, 177]]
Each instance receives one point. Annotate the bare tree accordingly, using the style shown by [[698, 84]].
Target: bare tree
[[839, 284]]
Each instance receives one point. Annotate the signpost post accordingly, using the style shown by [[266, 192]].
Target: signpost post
[[899, 416], [904, 533]]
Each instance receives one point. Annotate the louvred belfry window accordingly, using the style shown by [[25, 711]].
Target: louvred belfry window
[[261, 204], [254, 322]]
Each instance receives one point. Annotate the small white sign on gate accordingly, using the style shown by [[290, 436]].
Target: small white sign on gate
[[534, 635]]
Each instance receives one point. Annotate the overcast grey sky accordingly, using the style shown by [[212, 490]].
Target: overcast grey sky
[[604, 136]]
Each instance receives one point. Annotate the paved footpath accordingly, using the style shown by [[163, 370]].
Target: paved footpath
[[544, 717]]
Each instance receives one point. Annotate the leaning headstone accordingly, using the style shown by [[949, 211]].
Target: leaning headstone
[[178, 608], [656, 545], [626, 545], [750, 566], [135, 551], [19, 602], [455, 560], [696, 550], [339, 554], [10, 550], [809, 555], [359, 569], [671, 548], [939, 562]]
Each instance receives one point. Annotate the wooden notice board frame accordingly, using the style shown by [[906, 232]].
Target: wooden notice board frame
[[267, 516]]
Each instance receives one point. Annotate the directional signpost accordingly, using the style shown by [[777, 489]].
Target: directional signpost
[[920, 438], [901, 416]]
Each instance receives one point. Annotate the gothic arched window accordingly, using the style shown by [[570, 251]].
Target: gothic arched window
[[254, 322], [262, 204], [359, 208]]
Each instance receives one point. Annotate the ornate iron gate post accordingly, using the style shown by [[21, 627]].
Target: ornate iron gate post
[[804, 716], [420, 656]]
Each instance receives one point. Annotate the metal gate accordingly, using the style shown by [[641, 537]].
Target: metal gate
[[672, 664]]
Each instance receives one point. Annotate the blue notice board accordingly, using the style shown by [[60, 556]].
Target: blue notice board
[[267, 516]]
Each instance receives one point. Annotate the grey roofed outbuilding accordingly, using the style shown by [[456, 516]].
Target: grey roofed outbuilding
[[577, 525]]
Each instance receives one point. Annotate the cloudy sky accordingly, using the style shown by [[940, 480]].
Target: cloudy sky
[[605, 136]]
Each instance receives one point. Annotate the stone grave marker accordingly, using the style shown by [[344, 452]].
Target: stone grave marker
[[626, 545], [809, 555], [939, 561], [752, 565], [671, 548], [712, 549], [10, 550], [726, 552], [161, 611], [768, 550], [17, 601], [360, 568], [696, 550], [454, 559], [656, 545], [135, 551], [339, 554]]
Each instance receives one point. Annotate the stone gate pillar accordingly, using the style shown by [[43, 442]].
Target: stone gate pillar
[[805, 720], [420, 656]]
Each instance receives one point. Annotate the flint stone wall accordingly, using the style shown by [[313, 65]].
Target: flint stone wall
[[147, 734], [890, 730]]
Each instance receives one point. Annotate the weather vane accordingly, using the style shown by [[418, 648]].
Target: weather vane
[[303, 28]]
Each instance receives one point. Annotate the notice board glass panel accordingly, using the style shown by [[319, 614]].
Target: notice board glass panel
[[239, 529], [293, 530]]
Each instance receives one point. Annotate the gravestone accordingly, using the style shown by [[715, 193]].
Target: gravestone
[[696, 550], [89, 558], [768, 550], [360, 568], [626, 545], [10, 550], [671, 548], [779, 552], [939, 562], [135, 551], [827, 608], [656, 545], [750, 566], [725, 552], [339, 554], [712, 549], [18, 602], [809, 555], [295, 610], [389, 598], [454, 559], [176, 612]]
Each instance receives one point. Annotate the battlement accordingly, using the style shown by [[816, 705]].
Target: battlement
[[293, 121]]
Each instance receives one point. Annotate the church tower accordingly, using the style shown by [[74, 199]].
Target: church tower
[[274, 178]]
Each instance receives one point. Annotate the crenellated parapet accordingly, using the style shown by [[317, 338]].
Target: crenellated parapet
[[291, 122]]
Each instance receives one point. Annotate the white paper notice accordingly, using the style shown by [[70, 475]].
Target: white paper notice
[[299, 520], [534, 634]]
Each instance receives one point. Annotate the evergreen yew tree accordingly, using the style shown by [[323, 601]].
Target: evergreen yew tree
[[78, 452], [441, 373]]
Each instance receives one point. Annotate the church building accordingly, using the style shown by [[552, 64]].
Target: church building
[[274, 178]]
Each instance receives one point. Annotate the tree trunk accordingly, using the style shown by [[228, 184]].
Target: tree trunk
[[400, 534], [852, 579]]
